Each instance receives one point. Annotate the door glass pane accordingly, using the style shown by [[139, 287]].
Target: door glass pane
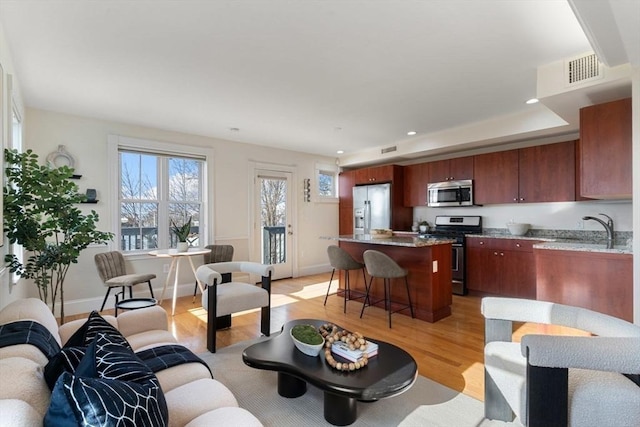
[[273, 203]]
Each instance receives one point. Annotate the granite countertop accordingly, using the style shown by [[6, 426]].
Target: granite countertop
[[561, 244], [584, 247], [410, 240]]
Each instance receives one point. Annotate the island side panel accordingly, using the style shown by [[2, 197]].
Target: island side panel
[[430, 291]]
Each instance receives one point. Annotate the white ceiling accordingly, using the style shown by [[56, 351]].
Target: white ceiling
[[310, 76]]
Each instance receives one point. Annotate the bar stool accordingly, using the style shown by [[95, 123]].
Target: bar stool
[[341, 260], [380, 265]]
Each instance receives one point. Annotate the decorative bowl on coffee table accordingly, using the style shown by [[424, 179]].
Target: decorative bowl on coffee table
[[308, 349]]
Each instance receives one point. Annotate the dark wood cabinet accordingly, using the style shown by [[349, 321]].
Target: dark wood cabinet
[[346, 181], [503, 267], [598, 281], [451, 169], [546, 173], [376, 174], [495, 178], [416, 178], [605, 150]]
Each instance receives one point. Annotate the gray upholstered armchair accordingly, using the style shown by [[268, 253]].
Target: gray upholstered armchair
[[551, 380], [222, 296]]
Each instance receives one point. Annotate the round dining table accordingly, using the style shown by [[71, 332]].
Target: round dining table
[[176, 258]]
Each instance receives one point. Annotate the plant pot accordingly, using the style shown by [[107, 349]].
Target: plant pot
[[183, 246], [423, 228]]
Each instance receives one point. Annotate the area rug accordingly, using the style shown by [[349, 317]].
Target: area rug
[[427, 403]]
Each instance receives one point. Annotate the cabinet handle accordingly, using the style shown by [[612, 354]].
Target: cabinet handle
[[495, 253], [522, 199], [517, 245], [501, 253], [451, 178], [515, 199], [482, 243]]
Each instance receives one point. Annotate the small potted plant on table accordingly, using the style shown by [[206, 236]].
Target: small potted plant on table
[[182, 232]]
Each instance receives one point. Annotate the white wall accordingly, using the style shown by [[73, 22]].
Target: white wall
[[86, 140]]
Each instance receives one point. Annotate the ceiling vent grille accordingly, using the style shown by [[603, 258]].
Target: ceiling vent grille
[[388, 150], [583, 69]]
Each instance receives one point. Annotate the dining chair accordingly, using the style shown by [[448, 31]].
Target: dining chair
[[112, 270]]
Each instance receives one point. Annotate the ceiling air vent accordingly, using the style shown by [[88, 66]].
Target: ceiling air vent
[[388, 150], [581, 69]]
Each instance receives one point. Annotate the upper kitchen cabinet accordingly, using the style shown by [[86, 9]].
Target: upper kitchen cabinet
[[605, 150], [451, 169], [547, 173], [544, 173], [346, 181], [495, 178], [376, 174], [416, 178]]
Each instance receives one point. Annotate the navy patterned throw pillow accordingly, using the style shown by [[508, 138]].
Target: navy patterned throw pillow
[[110, 387], [67, 360], [94, 325]]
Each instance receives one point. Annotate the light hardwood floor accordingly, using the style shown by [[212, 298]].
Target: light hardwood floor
[[448, 351]]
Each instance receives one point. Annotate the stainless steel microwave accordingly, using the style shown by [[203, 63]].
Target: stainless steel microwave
[[450, 193]]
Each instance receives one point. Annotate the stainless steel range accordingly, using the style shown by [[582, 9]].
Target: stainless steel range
[[456, 227]]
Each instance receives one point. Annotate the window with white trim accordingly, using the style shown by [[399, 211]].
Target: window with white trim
[[326, 181], [16, 143], [156, 189]]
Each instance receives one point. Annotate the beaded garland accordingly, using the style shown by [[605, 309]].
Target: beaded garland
[[355, 341]]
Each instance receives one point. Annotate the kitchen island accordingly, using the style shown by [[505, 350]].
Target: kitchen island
[[428, 262]]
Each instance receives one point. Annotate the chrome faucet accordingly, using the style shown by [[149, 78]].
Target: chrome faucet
[[607, 226]]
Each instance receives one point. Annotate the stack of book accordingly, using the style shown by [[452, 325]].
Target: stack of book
[[342, 349]]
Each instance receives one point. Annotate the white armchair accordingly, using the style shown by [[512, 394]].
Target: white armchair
[[549, 380], [222, 296]]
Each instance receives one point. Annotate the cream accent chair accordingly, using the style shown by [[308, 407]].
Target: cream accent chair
[[552, 380], [222, 296]]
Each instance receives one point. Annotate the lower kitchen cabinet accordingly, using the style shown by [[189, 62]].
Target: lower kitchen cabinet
[[504, 267], [598, 281]]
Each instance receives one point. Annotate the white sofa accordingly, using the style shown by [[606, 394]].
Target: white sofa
[[192, 397]]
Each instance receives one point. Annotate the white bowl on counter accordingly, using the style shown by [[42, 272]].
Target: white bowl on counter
[[518, 228]]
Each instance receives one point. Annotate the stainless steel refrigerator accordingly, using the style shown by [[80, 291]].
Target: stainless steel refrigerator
[[371, 207]]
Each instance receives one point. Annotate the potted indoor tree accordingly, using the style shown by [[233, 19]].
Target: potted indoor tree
[[182, 232], [41, 214]]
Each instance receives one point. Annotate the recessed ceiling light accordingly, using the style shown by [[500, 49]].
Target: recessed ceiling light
[[340, 151], [532, 101], [411, 132]]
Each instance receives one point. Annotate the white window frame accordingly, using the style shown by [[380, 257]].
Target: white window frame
[[16, 142], [118, 142], [321, 167]]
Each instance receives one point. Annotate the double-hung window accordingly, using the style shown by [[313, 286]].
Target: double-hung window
[[157, 188]]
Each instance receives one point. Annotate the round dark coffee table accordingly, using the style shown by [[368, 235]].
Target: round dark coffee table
[[390, 373]]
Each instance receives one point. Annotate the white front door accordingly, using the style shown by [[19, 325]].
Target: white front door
[[273, 230]]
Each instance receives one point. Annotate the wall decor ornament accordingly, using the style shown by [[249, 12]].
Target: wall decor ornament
[[60, 157]]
